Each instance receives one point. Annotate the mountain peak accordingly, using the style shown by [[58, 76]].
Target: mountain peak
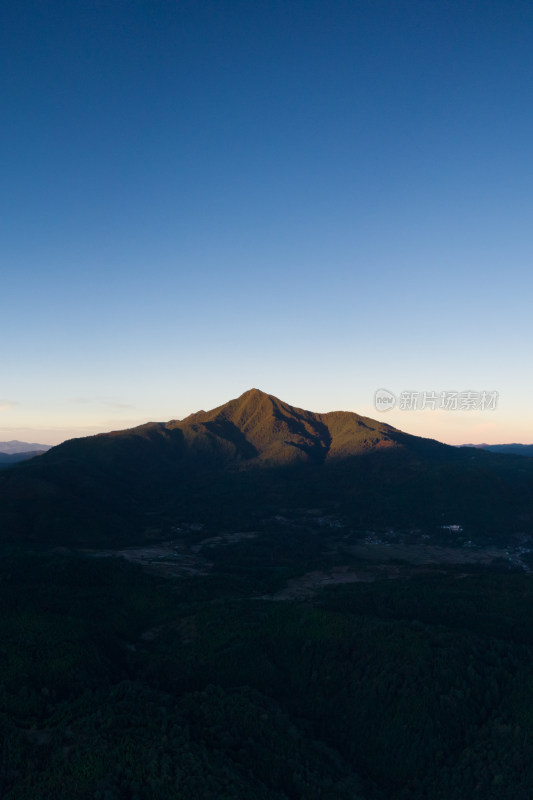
[[251, 394], [259, 428]]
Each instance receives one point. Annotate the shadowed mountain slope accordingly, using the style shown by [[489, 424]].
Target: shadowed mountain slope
[[240, 462]]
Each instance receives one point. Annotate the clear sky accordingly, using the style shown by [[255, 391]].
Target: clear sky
[[318, 199]]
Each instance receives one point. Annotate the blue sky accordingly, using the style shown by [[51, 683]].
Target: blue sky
[[316, 199]]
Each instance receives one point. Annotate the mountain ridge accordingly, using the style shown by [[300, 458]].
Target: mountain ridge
[[15, 446], [10, 459], [240, 462], [268, 425], [515, 448]]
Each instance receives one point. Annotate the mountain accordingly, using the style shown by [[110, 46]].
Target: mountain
[[14, 446], [245, 460], [516, 449], [259, 429], [10, 459], [399, 663]]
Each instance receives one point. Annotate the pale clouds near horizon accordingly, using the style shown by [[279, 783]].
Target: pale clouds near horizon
[[7, 405], [55, 434], [99, 401]]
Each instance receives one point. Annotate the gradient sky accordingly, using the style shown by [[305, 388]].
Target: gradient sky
[[318, 199]]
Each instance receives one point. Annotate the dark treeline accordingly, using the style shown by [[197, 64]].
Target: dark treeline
[[116, 684]]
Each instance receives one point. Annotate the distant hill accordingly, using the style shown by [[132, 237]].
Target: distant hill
[[10, 459], [14, 446], [248, 459], [14, 452], [515, 449]]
